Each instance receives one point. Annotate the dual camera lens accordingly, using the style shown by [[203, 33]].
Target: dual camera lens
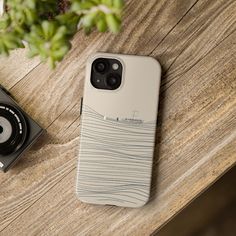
[[106, 74]]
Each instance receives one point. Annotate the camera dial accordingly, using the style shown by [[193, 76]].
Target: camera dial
[[13, 129]]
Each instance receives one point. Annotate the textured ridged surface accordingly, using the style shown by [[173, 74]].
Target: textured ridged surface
[[117, 160]]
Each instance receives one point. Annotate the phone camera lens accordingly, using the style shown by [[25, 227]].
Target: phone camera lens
[[100, 66], [113, 81]]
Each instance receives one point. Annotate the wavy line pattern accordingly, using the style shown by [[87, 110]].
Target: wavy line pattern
[[115, 160]]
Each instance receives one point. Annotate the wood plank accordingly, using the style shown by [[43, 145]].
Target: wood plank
[[15, 67], [196, 133], [217, 205]]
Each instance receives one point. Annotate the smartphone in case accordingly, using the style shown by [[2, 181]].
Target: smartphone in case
[[119, 116]]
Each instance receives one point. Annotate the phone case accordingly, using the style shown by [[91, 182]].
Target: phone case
[[118, 135]]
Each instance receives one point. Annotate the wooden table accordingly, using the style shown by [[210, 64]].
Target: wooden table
[[195, 41]]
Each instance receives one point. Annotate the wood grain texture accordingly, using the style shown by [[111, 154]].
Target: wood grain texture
[[196, 137]]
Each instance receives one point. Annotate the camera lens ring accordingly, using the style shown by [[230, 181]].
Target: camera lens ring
[[100, 66], [1, 129], [14, 129], [113, 81]]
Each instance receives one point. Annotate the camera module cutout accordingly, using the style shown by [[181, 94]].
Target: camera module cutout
[[106, 73], [17, 131]]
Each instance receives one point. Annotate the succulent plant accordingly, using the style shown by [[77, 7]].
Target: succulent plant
[[47, 26]]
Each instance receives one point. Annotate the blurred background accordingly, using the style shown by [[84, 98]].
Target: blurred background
[[213, 213]]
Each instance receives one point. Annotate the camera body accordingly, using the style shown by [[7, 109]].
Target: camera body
[[18, 131]]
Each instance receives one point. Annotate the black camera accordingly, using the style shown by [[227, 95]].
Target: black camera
[[106, 73], [17, 131]]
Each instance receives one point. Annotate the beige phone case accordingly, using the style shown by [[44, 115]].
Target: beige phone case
[[118, 135]]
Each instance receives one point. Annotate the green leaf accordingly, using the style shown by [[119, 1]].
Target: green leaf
[[88, 20], [108, 2], [70, 20], [113, 23], [119, 4], [79, 6], [4, 22], [59, 54], [61, 32], [48, 29], [101, 25], [3, 49]]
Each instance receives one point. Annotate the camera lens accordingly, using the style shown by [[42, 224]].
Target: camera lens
[[100, 66], [5, 129], [13, 129], [113, 81]]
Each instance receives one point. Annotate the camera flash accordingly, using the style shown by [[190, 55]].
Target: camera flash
[[115, 66]]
